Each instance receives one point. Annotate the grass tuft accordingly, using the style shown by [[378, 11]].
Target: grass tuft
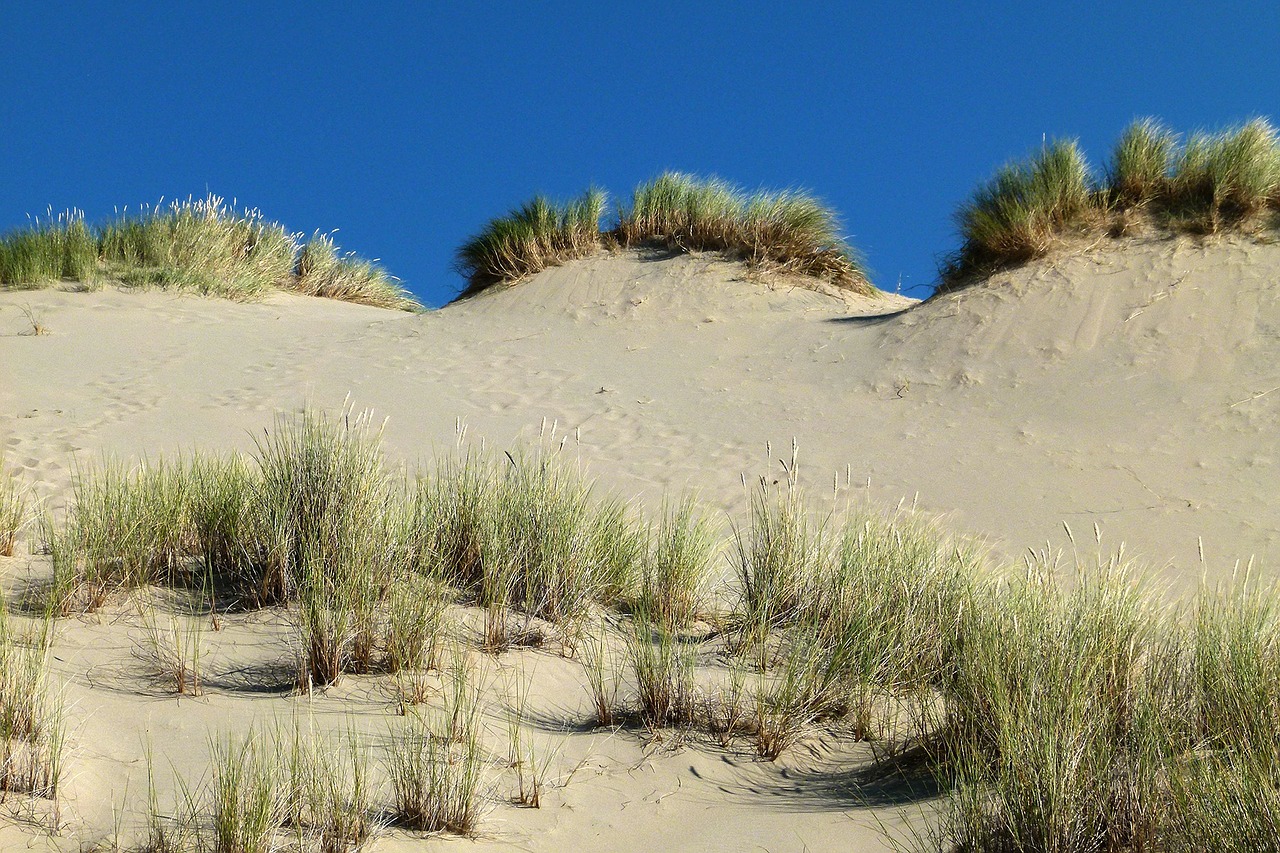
[[1212, 183], [538, 234], [1018, 214], [13, 512], [198, 245], [55, 250], [1142, 163], [790, 230], [321, 271]]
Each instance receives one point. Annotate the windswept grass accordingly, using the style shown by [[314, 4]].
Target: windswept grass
[[321, 271], [1018, 214], [1223, 179], [789, 231], [13, 512], [538, 234], [1142, 164], [202, 246], [32, 724], [59, 248], [1211, 183]]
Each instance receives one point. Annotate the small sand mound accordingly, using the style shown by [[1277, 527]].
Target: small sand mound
[[640, 284]]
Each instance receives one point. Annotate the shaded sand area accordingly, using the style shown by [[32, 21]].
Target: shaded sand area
[[1134, 388]]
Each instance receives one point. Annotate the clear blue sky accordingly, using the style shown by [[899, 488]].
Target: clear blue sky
[[407, 126]]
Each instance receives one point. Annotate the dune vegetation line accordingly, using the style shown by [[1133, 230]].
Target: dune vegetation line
[[1154, 181], [1059, 705], [789, 231], [197, 245]]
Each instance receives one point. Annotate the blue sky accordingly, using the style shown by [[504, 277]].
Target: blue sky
[[407, 126]]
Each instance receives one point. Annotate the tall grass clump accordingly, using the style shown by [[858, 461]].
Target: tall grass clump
[[1020, 213], [1055, 733], [435, 765], [201, 245], [781, 555], [663, 665], [13, 512], [676, 570], [245, 794], [126, 528], [321, 271], [1142, 164], [1225, 786], [322, 492], [1224, 179], [1213, 182], [523, 532], [59, 249], [788, 230], [32, 726], [538, 234]]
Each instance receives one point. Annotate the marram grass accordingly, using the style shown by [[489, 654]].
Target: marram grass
[[1057, 706], [202, 246], [1207, 184], [788, 231], [538, 234]]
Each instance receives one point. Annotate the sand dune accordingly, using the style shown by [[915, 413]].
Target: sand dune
[[1134, 388]]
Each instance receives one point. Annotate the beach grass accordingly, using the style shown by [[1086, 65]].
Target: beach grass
[[58, 248], [14, 512], [1061, 705], [33, 729], [538, 234], [1209, 183], [197, 245], [322, 271], [787, 231]]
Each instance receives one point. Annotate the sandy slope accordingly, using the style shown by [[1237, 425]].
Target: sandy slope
[[1131, 388]]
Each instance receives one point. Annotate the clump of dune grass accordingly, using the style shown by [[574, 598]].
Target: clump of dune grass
[[1225, 782], [1223, 179], [1229, 180], [321, 271], [1050, 737], [435, 765], [788, 230], [245, 803], [538, 234], [327, 789], [13, 512], [1142, 164], [322, 489], [780, 555], [32, 725], [676, 570], [522, 532], [172, 649], [1019, 213], [60, 248], [663, 665], [126, 528], [202, 245], [600, 667]]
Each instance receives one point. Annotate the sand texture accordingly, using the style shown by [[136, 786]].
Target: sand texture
[[1135, 388]]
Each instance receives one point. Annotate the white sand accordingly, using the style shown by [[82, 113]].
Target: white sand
[[1133, 388]]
